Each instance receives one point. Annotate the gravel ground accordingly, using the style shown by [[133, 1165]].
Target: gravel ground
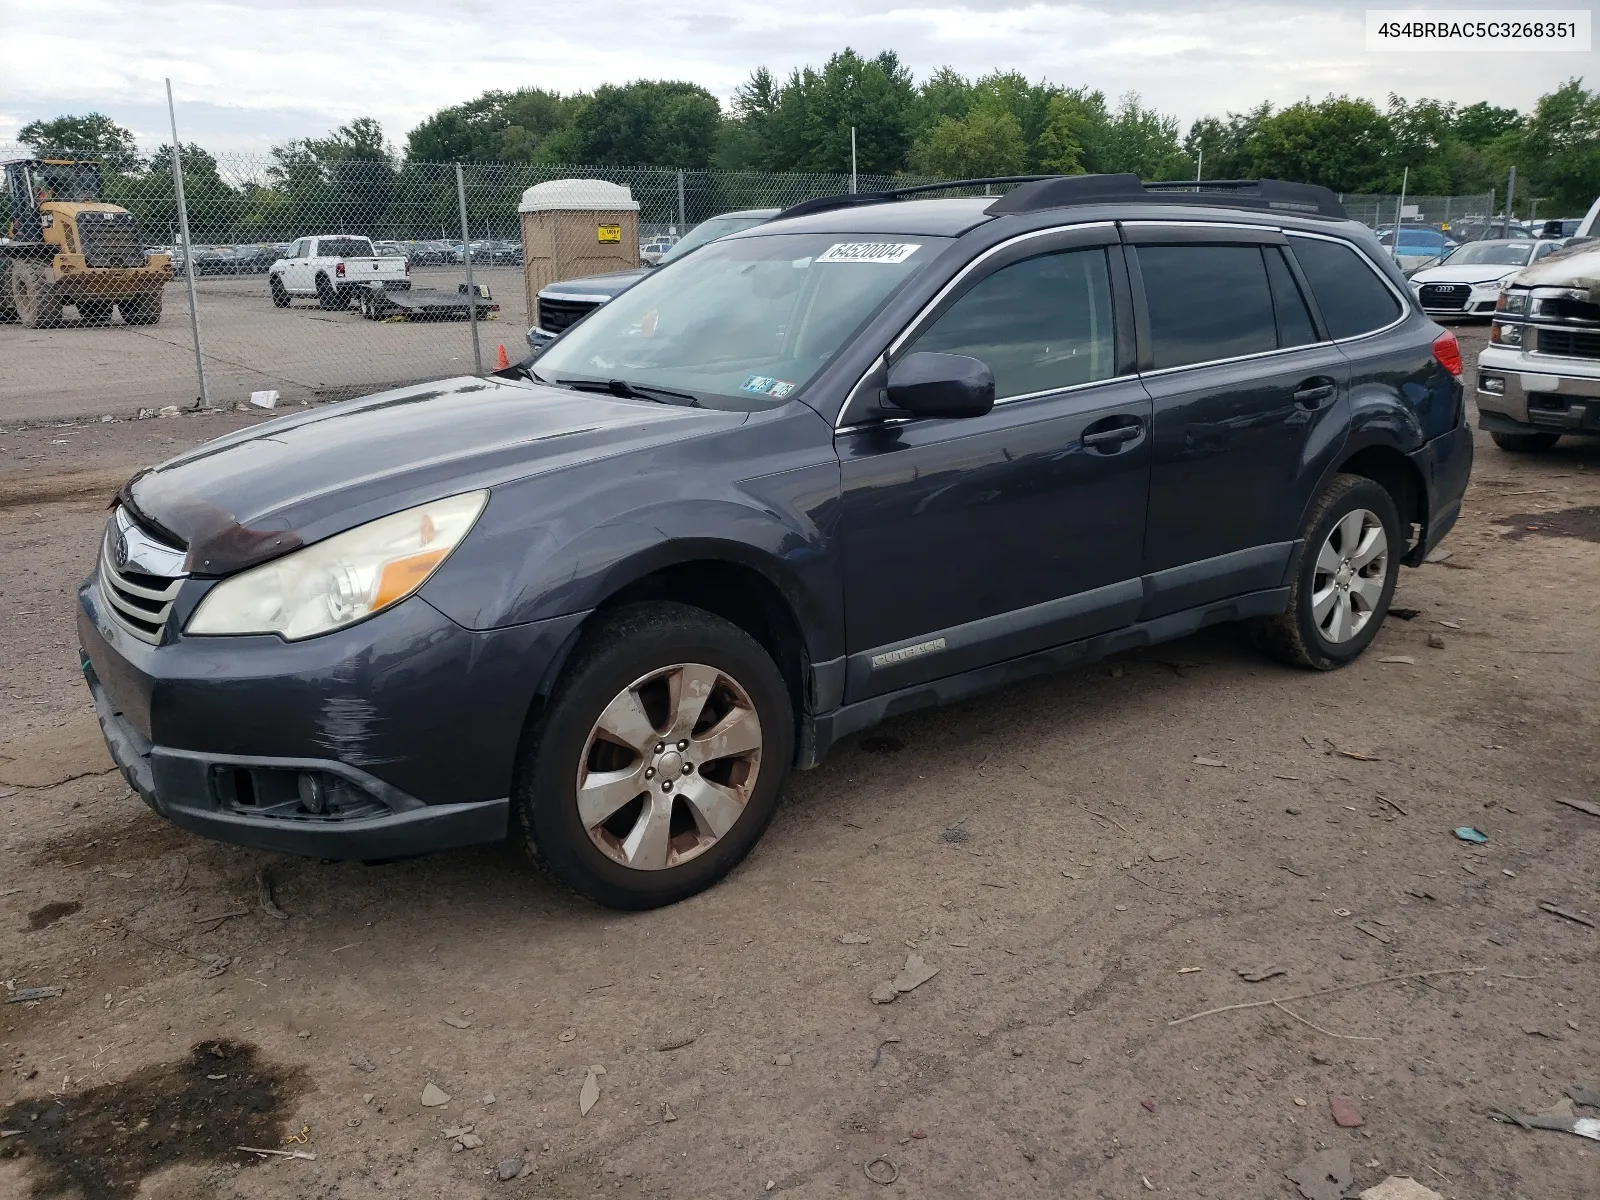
[[1084, 859]]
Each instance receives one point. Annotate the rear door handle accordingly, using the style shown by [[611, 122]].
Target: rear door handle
[[1315, 392]]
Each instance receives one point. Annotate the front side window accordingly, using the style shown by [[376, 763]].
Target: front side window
[[1352, 298], [1040, 324], [743, 323], [1206, 302]]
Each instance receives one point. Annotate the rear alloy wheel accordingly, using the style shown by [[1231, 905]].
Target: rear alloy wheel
[[1525, 443], [280, 295], [660, 758], [1344, 580]]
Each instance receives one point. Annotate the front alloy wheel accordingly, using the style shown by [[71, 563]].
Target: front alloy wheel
[[1352, 569], [657, 761], [669, 767]]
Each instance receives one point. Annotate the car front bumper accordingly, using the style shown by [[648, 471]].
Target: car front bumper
[[394, 737], [1539, 392]]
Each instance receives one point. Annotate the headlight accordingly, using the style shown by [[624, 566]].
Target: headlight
[[343, 579], [1512, 302]]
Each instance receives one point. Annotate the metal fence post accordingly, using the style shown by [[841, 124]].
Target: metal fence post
[[188, 252], [1511, 191], [472, 288], [683, 212]]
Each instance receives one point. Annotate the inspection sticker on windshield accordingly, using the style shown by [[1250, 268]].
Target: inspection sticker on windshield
[[766, 385], [892, 253]]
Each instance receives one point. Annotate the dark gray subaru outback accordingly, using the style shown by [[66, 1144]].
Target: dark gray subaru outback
[[877, 454]]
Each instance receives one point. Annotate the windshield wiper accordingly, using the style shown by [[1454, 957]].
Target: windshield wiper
[[630, 391]]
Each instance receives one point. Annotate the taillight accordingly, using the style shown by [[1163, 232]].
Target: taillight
[[1447, 352], [408, 266], [338, 269]]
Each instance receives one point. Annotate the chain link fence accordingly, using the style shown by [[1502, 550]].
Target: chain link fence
[[315, 279]]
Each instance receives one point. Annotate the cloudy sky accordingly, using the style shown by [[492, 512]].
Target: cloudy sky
[[250, 73]]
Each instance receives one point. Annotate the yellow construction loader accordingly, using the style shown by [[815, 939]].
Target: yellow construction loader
[[66, 245]]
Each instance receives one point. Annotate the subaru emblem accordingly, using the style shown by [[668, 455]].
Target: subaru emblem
[[119, 552]]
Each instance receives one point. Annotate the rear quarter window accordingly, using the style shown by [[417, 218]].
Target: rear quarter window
[[1352, 298]]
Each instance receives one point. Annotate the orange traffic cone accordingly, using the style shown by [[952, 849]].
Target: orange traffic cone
[[501, 362]]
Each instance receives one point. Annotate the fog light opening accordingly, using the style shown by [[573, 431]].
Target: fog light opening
[[313, 793], [1494, 385]]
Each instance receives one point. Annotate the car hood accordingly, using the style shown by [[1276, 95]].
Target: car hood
[[1465, 273], [613, 283], [1571, 266], [262, 492]]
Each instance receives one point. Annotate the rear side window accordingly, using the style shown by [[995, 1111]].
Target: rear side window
[[344, 248], [1294, 319], [1206, 302], [1040, 324], [1352, 298]]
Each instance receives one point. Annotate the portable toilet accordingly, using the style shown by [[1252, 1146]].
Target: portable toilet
[[576, 227]]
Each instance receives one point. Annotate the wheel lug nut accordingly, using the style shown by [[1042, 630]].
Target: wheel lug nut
[[688, 768], [666, 785], [683, 745], [649, 772], [660, 746]]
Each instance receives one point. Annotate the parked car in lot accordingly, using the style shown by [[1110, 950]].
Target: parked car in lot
[[333, 269], [563, 304], [1419, 246], [1539, 377], [1468, 282], [874, 455], [256, 259], [653, 249]]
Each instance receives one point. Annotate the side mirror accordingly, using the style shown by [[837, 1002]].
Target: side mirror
[[941, 385]]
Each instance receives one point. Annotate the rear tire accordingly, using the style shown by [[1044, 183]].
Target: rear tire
[[646, 672], [1344, 580], [34, 295], [143, 309], [327, 295], [1525, 443], [280, 296]]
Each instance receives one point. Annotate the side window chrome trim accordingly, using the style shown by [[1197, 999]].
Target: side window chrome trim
[[911, 326], [1158, 223], [1213, 362], [1405, 301]]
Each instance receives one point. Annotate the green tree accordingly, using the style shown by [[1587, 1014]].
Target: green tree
[[93, 135], [987, 141], [498, 126], [1558, 148], [647, 123], [1481, 123], [1338, 142], [215, 209], [343, 183], [809, 127]]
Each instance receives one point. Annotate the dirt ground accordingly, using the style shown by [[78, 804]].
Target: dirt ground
[[1084, 859], [303, 352]]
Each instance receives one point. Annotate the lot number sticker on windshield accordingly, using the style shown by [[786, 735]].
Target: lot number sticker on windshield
[[892, 253]]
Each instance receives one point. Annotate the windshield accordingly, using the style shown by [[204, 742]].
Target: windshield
[[78, 181], [744, 323], [1498, 254], [710, 231]]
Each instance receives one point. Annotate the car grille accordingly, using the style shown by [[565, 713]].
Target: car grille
[[1445, 295], [1569, 343], [110, 240], [139, 601], [557, 315]]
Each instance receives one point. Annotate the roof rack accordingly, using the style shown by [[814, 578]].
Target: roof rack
[[1037, 193]]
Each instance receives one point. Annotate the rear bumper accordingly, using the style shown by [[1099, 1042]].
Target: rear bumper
[[1445, 464]]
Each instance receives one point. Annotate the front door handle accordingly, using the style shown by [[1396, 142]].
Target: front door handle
[[1110, 438], [1313, 393]]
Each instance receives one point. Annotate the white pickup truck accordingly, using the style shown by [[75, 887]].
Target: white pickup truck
[[333, 269]]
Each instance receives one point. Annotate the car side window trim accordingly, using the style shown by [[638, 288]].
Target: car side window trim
[[1140, 307], [1406, 301], [930, 311]]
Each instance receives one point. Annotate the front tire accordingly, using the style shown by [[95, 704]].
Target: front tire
[[34, 296], [1525, 443], [658, 762], [1344, 580], [280, 295]]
